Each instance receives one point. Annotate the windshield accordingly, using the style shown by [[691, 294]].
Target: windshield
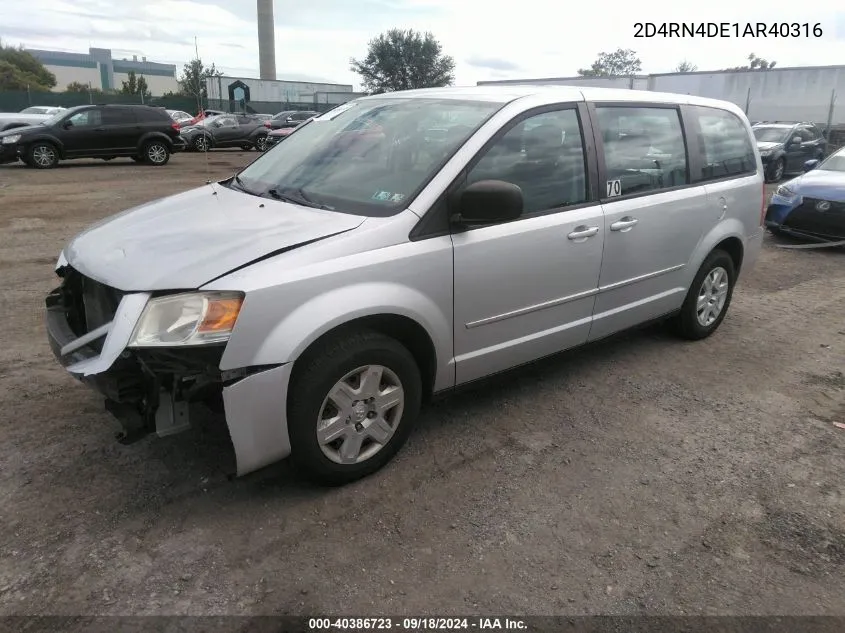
[[61, 114], [834, 162], [369, 157], [770, 134]]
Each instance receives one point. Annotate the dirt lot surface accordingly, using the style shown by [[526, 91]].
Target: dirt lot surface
[[640, 475]]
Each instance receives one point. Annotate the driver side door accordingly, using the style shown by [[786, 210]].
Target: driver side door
[[526, 288], [82, 132], [226, 131]]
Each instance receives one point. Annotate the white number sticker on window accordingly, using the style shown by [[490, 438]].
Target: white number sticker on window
[[614, 188]]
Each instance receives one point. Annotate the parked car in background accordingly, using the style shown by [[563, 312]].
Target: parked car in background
[[181, 117], [274, 137], [27, 116], [812, 205], [289, 118], [48, 110], [202, 114], [335, 283], [226, 130], [143, 133], [785, 146]]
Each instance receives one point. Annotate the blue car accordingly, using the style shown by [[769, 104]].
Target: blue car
[[812, 205]]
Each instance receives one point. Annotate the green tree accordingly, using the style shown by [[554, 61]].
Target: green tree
[[402, 60], [686, 67], [621, 62], [78, 86], [20, 70], [194, 74], [755, 63], [134, 85]]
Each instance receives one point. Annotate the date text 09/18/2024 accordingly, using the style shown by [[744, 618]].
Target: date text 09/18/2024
[[728, 29], [417, 624]]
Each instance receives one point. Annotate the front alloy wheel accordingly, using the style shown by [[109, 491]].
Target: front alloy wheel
[[360, 414], [352, 402], [43, 156], [261, 143], [201, 144]]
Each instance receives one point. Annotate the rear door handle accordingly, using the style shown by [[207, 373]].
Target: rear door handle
[[624, 225], [581, 233]]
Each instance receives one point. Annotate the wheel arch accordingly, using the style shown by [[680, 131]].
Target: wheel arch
[[402, 328], [727, 236], [155, 136], [404, 313]]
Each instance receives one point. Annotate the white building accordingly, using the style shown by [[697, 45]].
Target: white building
[[98, 69]]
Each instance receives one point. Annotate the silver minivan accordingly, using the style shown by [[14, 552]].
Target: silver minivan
[[401, 245]]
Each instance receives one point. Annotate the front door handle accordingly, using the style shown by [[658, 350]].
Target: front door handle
[[581, 233], [624, 225]]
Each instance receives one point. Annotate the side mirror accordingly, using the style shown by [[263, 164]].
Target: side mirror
[[67, 125], [795, 140], [489, 202], [811, 164], [217, 124]]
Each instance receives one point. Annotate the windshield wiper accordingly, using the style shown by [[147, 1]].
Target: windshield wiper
[[240, 185], [297, 196]]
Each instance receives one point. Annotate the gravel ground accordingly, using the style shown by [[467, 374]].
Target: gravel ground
[[639, 475]]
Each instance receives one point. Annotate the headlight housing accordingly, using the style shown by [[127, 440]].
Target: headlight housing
[[195, 318], [12, 138], [784, 192]]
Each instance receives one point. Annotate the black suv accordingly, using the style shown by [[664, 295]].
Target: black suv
[[786, 145], [143, 133]]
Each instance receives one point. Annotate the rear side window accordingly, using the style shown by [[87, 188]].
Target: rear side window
[[725, 146], [644, 149], [118, 116]]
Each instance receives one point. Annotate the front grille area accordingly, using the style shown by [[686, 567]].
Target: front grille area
[[87, 303], [807, 218]]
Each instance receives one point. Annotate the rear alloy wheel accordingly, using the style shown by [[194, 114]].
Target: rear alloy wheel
[[156, 153], [776, 171], [201, 143], [708, 298], [261, 143], [43, 155]]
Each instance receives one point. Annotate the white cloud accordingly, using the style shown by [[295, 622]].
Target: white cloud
[[531, 38]]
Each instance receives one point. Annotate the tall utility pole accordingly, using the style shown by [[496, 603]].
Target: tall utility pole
[[266, 39]]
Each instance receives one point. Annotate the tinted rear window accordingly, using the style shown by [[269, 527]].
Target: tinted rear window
[[725, 147]]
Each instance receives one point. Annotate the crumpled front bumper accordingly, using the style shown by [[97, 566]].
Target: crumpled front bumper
[[142, 387]]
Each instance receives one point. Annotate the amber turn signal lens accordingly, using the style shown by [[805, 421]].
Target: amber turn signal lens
[[220, 315]]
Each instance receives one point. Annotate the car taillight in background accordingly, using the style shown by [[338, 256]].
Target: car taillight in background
[[175, 125], [267, 124]]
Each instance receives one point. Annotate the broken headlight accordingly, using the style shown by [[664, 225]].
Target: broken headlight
[[195, 318]]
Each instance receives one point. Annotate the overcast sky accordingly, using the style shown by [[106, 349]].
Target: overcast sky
[[489, 39]]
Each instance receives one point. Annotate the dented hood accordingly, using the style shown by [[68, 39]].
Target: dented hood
[[186, 240]]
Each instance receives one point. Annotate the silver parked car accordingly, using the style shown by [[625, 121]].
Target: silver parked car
[[401, 245]]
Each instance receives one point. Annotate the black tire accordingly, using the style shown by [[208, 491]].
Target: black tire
[[775, 171], [201, 143], [156, 153], [686, 323], [316, 373], [246, 147], [43, 155]]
